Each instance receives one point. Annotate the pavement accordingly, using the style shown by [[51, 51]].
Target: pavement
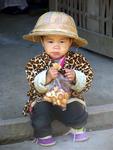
[[99, 140], [14, 54]]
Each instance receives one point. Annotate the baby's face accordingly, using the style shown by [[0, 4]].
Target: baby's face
[[56, 46]]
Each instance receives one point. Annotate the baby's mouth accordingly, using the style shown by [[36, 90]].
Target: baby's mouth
[[55, 53]]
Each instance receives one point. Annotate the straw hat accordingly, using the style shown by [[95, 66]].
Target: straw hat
[[55, 23]]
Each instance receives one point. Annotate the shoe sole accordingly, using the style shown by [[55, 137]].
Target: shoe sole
[[82, 140], [47, 144]]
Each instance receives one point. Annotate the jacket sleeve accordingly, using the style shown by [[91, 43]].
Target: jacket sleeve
[[36, 75], [80, 82], [84, 73], [40, 82], [31, 71]]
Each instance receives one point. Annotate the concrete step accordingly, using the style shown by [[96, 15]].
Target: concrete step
[[100, 117]]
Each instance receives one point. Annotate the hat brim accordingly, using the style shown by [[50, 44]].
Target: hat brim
[[36, 37]]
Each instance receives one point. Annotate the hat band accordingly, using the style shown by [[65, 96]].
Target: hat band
[[52, 31], [56, 28]]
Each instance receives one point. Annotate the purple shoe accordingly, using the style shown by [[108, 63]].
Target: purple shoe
[[80, 137], [45, 141]]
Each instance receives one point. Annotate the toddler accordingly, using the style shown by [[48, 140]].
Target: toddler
[[57, 78]]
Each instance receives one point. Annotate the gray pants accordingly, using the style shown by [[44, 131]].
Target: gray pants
[[44, 113]]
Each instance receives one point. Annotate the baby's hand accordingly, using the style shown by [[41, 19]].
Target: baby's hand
[[70, 74], [51, 74]]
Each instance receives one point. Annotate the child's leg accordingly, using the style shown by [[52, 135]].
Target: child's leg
[[41, 118], [74, 116]]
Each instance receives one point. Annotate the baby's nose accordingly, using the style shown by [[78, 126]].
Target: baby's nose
[[56, 45]]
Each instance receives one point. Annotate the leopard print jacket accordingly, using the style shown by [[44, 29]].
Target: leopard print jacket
[[43, 62]]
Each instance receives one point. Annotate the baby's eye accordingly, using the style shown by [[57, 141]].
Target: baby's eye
[[50, 41], [62, 41]]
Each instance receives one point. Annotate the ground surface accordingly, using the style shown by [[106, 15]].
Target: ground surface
[[15, 52]]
